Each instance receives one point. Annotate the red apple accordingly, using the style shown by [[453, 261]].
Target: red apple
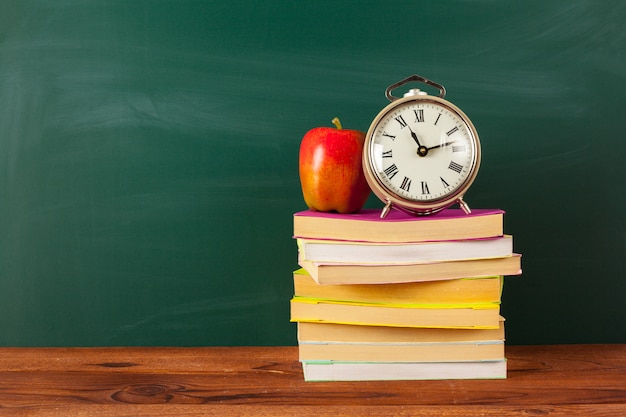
[[331, 172]]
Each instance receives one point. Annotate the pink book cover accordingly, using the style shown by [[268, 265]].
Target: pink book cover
[[373, 215]]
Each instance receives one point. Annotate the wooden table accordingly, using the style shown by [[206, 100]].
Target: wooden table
[[562, 380]]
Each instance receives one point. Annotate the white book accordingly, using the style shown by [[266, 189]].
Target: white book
[[350, 252], [402, 371]]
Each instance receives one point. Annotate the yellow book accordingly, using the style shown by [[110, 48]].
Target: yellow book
[[342, 342], [402, 352], [345, 333], [459, 316], [463, 290]]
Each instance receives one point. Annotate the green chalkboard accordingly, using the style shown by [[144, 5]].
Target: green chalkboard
[[148, 156]]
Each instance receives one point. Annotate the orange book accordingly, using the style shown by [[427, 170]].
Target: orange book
[[344, 273]]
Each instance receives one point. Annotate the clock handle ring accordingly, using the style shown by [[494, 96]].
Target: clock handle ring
[[414, 77]]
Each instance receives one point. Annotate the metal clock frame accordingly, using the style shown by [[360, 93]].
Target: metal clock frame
[[388, 196]]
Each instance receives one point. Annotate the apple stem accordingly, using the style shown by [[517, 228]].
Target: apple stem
[[337, 123]]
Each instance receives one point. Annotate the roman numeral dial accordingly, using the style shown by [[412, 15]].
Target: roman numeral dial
[[422, 153]]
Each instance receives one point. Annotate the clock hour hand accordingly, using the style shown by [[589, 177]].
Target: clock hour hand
[[421, 149], [414, 136]]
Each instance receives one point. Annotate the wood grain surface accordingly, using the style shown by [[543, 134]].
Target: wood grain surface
[[560, 380]]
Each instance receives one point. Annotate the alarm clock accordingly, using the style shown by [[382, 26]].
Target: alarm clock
[[421, 152]]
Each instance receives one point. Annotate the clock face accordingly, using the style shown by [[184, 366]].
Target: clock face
[[424, 151]]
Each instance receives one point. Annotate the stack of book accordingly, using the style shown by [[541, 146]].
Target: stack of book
[[403, 297]]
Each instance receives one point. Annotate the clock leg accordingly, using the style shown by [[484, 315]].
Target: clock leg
[[386, 210], [466, 209]]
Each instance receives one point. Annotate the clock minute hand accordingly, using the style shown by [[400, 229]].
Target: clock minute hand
[[442, 145]]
